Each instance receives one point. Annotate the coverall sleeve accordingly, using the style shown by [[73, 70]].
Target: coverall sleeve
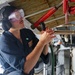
[[12, 55], [45, 58]]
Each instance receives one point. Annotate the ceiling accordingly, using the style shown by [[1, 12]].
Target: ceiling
[[35, 9]]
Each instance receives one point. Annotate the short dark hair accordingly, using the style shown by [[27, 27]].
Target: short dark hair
[[5, 12]]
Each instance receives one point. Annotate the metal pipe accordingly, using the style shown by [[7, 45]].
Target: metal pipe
[[67, 25], [65, 32], [37, 12], [46, 10], [42, 11], [54, 19], [47, 15]]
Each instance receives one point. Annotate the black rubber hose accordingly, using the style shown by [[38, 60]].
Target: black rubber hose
[[52, 60], [52, 54]]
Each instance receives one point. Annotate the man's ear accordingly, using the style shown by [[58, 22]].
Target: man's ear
[[6, 25]]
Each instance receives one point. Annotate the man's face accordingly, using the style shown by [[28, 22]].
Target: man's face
[[16, 18]]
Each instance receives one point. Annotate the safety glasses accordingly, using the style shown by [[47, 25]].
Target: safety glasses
[[17, 15]]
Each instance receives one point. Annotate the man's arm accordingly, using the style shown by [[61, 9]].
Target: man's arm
[[33, 57], [45, 50]]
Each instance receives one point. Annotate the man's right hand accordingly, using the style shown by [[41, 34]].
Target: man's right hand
[[47, 36]]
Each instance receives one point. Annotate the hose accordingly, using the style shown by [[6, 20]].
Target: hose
[[52, 58], [52, 54]]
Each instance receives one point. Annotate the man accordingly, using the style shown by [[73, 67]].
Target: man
[[20, 49]]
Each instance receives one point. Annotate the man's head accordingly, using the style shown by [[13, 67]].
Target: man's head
[[12, 17]]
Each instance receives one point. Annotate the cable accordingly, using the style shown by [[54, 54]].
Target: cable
[[52, 58], [52, 54]]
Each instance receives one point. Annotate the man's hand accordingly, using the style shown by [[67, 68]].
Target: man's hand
[[47, 36]]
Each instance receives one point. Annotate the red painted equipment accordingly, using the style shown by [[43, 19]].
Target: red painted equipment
[[72, 0], [65, 6], [72, 10], [45, 16], [65, 10]]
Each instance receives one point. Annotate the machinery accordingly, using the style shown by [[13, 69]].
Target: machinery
[[61, 42]]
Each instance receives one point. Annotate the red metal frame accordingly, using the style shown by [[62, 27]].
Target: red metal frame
[[66, 10], [72, 0]]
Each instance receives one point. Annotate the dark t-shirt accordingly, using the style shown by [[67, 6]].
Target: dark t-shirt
[[13, 53]]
